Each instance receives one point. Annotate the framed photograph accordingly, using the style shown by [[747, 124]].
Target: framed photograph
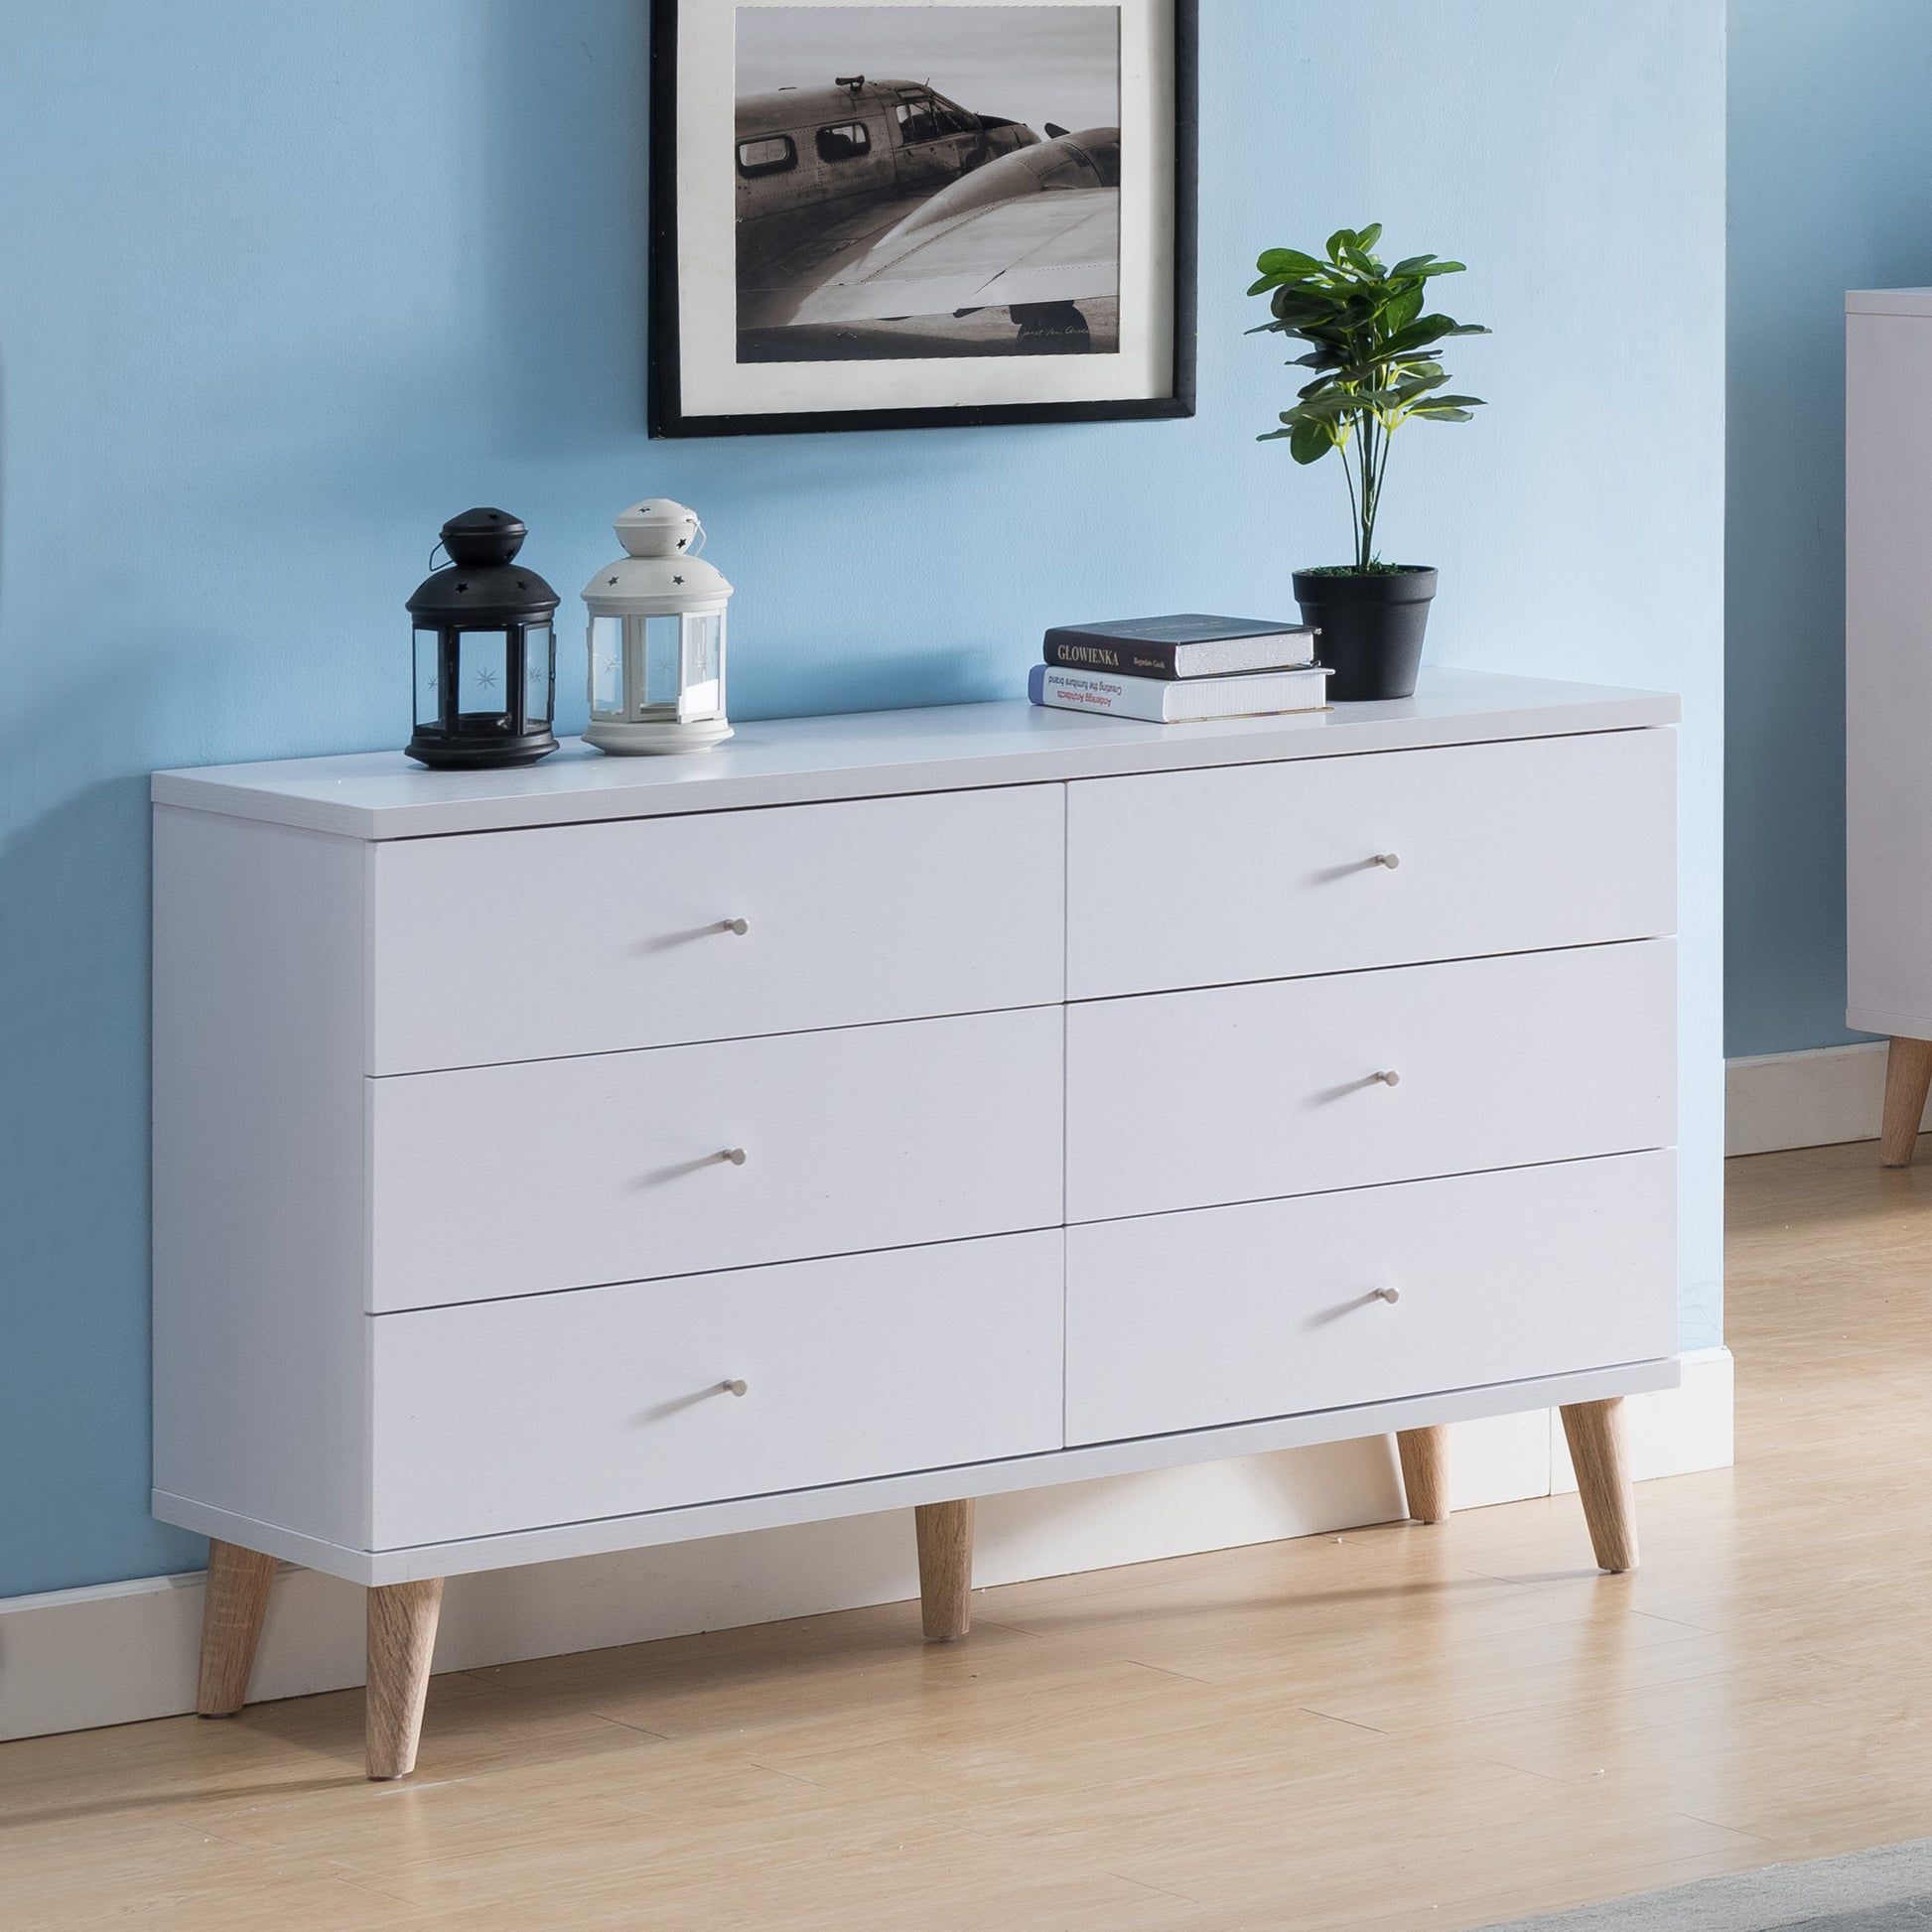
[[888, 213]]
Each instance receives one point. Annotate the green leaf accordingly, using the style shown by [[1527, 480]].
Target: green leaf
[[1419, 333], [1419, 385], [1309, 443], [1287, 261], [1298, 311]]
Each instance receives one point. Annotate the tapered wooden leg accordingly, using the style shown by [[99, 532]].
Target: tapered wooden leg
[[232, 1608], [945, 1534], [402, 1639], [1908, 1078], [1602, 1464], [1425, 1472]]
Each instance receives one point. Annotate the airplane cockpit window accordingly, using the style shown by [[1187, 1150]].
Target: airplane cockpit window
[[844, 142], [955, 120], [1065, 165], [918, 119], [770, 156]]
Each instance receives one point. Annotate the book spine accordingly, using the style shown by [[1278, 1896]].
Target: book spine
[[1075, 650], [1086, 691]]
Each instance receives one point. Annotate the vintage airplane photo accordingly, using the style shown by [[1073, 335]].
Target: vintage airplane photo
[[920, 182]]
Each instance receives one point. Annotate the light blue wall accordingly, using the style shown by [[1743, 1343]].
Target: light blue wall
[[286, 286], [1830, 187]]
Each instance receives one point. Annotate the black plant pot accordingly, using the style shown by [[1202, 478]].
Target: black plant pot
[[1371, 624]]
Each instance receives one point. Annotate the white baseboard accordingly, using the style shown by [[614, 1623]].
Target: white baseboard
[[1815, 1098], [74, 1659]]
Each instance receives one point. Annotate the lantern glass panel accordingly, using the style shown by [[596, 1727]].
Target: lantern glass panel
[[536, 676], [703, 694], [482, 672], [662, 660], [606, 667], [429, 677]]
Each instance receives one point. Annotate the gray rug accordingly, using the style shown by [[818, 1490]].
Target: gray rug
[[1884, 1890]]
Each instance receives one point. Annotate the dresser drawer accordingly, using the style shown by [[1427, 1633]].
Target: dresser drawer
[[1241, 1092], [558, 1408], [501, 1180], [1273, 1309], [591, 938], [1266, 871]]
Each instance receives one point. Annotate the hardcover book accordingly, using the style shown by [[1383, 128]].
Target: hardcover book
[[1191, 644], [1170, 701]]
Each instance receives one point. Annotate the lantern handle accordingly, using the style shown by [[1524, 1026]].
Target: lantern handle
[[433, 549], [699, 543]]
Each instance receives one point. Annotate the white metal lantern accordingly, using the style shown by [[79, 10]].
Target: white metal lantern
[[658, 638]]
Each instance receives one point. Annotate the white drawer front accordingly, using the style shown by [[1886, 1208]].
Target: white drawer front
[[589, 938], [1273, 1309], [557, 1407], [1266, 871], [610, 1167], [1242, 1092]]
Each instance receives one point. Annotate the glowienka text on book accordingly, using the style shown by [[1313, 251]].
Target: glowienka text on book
[[1183, 646]]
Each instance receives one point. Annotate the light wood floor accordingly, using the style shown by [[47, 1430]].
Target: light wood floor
[[1397, 1728]]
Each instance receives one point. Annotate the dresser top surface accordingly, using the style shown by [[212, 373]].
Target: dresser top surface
[[940, 747]]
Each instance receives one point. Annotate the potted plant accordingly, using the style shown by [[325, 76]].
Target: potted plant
[[1373, 354]]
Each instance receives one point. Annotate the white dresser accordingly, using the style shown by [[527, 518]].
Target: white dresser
[[889, 1110], [1888, 693]]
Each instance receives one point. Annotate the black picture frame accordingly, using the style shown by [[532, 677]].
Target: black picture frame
[[665, 409]]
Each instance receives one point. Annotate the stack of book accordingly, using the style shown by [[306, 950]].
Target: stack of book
[[1181, 670]]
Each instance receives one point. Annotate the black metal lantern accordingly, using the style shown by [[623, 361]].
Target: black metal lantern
[[486, 650]]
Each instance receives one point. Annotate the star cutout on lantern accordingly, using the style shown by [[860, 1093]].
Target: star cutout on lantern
[[678, 580], [488, 680]]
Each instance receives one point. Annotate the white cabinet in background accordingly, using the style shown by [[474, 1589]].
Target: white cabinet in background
[[1888, 693]]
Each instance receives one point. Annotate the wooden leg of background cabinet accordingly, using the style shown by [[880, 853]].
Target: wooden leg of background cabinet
[[1602, 1464], [1908, 1078], [402, 1639], [946, 1535], [232, 1608], [1425, 1472]]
